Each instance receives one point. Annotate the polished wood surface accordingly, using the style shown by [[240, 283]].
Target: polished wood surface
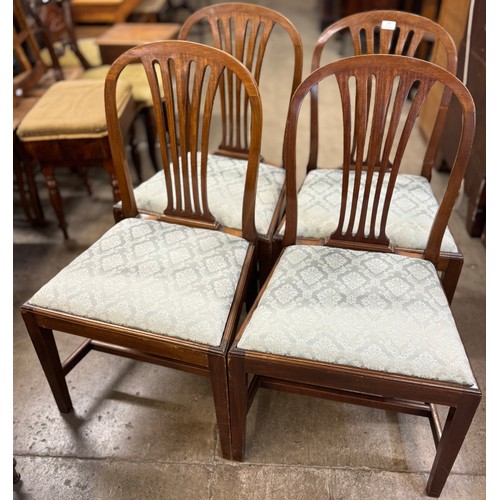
[[123, 36], [102, 11]]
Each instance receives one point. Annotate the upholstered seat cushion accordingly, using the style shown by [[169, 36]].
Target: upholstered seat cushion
[[133, 74], [88, 47], [412, 212], [156, 277], [150, 6], [372, 310], [70, 110], [226, 185]]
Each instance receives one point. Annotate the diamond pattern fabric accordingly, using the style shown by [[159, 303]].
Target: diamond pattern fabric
[[372, 310], [161, 278], [226, 186], [412, 212]]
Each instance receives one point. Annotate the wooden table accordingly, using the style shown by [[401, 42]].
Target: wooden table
[[123, 36], [102, 11]]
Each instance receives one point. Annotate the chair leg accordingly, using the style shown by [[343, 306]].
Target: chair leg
[[454, 432], [55, 197], [134, 150], [46, 349], [238, 395], [151, 134], [450, 277], [110, 169], [218, 379]]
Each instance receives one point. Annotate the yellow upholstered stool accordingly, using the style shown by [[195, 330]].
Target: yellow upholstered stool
[[67, 128]]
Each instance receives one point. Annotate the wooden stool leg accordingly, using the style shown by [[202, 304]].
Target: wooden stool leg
[[110, 169], [17, 476], [55, 197], [134, 150], [454, 432], [238, 395], [39, 217], [46, 349], [450, 277], [218, 378], [151, 134]]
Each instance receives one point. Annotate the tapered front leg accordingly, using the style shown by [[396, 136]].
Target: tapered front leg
[[454, 432], [218, 378], [46, 349], [238, 396]]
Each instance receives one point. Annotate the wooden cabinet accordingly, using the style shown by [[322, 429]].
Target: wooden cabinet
[[473, 73]]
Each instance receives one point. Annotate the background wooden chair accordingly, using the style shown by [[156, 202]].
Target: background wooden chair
[[244, 31], [171, 292], [414, 204], [65, 51], [354, 320]]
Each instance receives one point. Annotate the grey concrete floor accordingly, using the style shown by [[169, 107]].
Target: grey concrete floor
[[140, 431]]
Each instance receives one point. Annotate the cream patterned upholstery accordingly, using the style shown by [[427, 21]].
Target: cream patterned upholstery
[[412, 212], [161, 278], [372, 310], [226, 183]]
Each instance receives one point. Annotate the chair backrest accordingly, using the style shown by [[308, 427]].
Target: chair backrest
[[375, 88], [388, 32], [184, 79], [28, 65], [243, 30], [54, 18]]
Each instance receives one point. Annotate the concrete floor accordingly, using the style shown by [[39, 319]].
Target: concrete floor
[[140, 431]]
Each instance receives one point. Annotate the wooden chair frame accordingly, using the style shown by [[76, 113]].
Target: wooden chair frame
[[244, 31], [360, 386], [133, 343], [368, 36]]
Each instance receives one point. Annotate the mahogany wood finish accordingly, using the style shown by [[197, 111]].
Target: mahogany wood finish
[[244, 31], [102, 11], [372, 33], [190, 75], [361, 386], [123, 36]]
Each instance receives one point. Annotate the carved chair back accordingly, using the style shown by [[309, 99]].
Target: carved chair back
[[374, 89], [388, 32], [243, 30], [184, 79]]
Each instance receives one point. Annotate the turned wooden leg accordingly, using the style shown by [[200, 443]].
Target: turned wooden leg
[[238, 395], [83, 174], [55, 197], [454, 432], [134, 150], [218, 379], [152, 135], [36, 205], [110, 169], [17, 476], [450, 277], [46, 349]]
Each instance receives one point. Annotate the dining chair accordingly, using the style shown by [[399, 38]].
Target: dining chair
[[244, 31], [168, 291], [355, 319], [414, 204]]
